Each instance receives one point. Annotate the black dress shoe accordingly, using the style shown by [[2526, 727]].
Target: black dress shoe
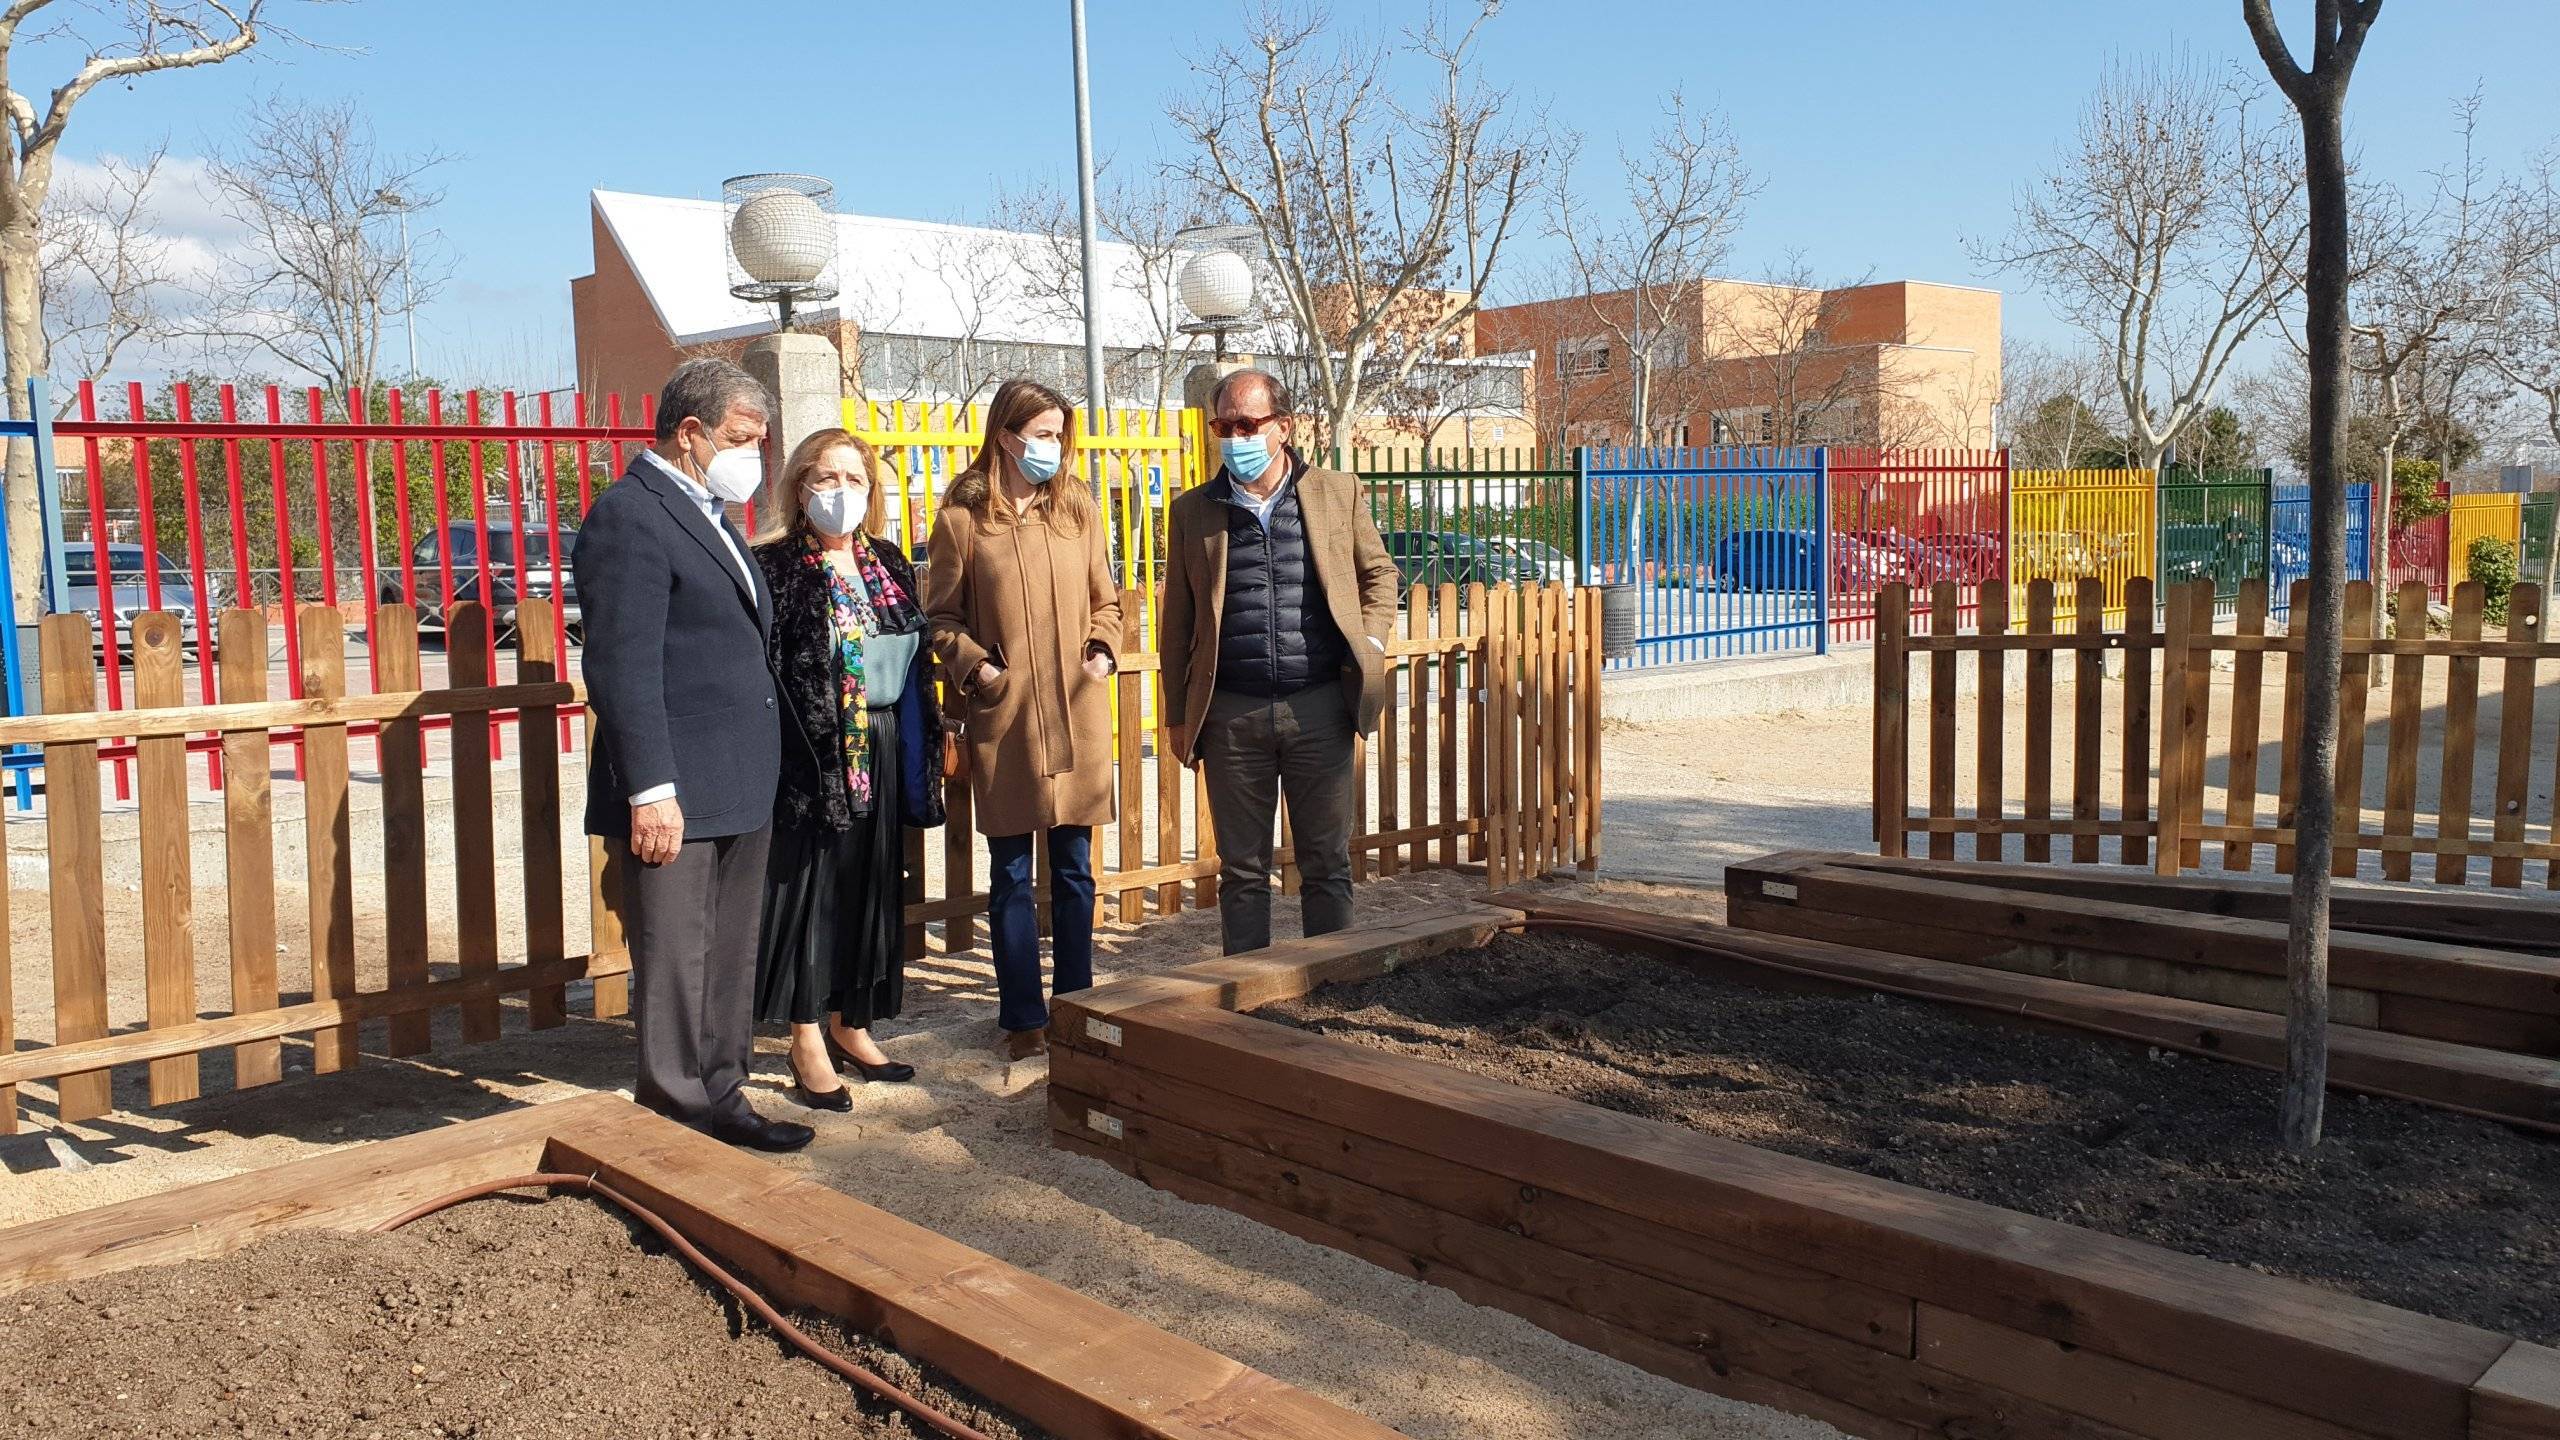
[[840, 1098], [887, 1070], [754, 1132]]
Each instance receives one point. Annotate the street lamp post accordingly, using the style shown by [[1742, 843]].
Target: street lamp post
[[1095, 399], [399, 204]]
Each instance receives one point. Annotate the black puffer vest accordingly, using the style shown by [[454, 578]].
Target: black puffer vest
[[1276, 637]]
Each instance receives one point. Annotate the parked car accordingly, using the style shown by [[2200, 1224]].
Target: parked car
[[1766, 560], [132, 597], [1863, 560], [1444, 557], [1964, 556], [1538, 559], [460, 540]]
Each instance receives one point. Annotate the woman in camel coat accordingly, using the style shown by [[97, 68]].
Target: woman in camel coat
[[1025, 618]]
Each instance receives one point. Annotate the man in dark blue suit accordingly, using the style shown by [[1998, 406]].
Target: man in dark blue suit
[[688, 742]]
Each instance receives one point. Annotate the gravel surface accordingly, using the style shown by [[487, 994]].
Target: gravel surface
[[2430, 1211], [496, 1320]]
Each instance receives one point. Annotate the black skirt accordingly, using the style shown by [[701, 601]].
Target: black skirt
[[834, 905]]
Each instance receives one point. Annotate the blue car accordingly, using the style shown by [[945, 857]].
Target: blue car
[[1768, 560]]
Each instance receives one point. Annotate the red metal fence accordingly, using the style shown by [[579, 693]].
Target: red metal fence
[[1914, 517], [2420, 551], [304, 504]]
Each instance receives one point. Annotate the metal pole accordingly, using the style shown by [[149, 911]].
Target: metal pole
[[1095, 397], [409, 289]]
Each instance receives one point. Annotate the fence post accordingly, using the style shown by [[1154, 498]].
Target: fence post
[[1892, 768], [1822, 549], [1581, 515]]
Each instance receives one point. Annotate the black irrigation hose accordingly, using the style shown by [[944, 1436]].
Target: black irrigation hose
[[799, 1339], [1746, 957]]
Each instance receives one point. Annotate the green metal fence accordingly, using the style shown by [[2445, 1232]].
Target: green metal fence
[[1473, 516], [2214, 526], [2539, 512]]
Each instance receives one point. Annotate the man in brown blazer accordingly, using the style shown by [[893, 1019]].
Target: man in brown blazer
[[1278, 598]]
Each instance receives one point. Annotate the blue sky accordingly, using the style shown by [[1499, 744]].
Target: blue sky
[[1888, 130]]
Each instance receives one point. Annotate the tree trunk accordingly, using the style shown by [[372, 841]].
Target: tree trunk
[[2315, 818], [22, 329]]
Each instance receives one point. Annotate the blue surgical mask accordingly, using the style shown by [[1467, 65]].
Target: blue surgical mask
[[1039, 460], [1246, 458]]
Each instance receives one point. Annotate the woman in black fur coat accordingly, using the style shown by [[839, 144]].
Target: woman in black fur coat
[[861, 759]]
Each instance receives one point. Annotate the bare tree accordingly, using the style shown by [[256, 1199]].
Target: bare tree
[[1142, 217], [107, 271], [2151, 235], [1365, 205], [2319, 97], [2524, 344], [120, 41], [1639, 275], [2051, 398], [313, 286], [1781, 346]]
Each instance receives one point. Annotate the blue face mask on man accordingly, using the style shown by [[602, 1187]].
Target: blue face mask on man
[[1246, 458]]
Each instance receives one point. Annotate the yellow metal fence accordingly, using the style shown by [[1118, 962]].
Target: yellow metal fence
[[2068, 524], [2473, 517]]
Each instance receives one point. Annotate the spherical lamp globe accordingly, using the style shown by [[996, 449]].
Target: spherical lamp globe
[[1217, 285], [782, 237]]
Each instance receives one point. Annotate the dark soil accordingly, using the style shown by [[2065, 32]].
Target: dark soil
[[2412, 1206], [495, 1320]]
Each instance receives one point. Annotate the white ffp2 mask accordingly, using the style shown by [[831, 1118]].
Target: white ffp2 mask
[[734, 473], [839, 511]]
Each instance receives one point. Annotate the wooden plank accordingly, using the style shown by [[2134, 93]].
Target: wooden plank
[[607, 867], [2088, 732], [1942, 717], [1892, 720], [2289, 730], [1445, 623], [2400, 756], [1068, 1364], [1418, 721], [1501, 812], [2461, 735], [2102, 1387], [2354, 686], [136, 1046], [2135, 788], [1555, 719], [404, 829], [1390, 787], [1475, 621], [1592, 791], [475, 863], [1991, 721], [249, 861], [1800, 1293], [2039, 708], [2290, 1345], [2519, 1399], [2175, 679], [1673, 1362], [2514, 781], [280, 714], [2248, 679], [538, 811], [74, 869], [325, 823], [2196, 723], [1130, 740], [352, 1188], [168, 884]]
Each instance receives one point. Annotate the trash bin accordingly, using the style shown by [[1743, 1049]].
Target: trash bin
[[1619, 625]]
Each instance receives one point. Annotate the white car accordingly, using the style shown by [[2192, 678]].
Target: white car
[[1536, 557]]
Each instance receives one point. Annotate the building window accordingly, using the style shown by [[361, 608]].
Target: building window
[[1588, 356]]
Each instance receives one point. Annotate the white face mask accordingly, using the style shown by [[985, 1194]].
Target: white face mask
[[839, 511], [734, 473]]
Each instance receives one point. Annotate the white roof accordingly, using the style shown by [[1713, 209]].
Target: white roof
[[902, 277]]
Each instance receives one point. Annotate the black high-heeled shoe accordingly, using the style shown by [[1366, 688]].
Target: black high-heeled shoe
[[888, 1072], [839, 1099]]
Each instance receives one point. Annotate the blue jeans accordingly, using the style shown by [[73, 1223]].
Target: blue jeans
[[1015, 926]]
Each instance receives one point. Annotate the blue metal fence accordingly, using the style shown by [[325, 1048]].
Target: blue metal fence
[[2289, 541], [1728, 546], [36, 428]]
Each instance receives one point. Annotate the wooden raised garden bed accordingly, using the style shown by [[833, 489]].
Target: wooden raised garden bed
[[1073, 1366], [1887, 1310]]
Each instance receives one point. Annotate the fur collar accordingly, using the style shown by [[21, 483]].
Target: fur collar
[[969, 491]]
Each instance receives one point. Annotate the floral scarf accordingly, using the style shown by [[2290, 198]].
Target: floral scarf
[[855, 609]]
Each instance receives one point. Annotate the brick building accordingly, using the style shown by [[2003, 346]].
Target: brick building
[[1900, 363]]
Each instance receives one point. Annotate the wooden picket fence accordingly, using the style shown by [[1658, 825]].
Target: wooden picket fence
[[1490, 753], [2172, 733]]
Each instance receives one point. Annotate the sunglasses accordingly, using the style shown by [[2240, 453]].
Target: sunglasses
[[1238, 429]]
